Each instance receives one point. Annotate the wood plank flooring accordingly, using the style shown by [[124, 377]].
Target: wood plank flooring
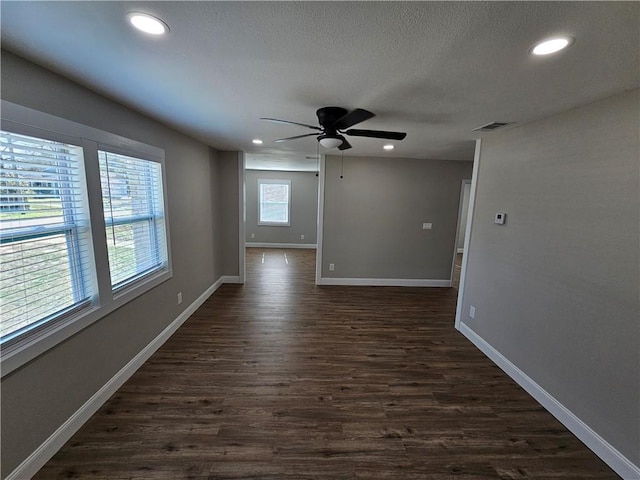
[[280, 379]]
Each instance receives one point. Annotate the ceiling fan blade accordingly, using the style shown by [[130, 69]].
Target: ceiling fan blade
[[287, 122], [280, 140], [355, 116], [345, 145], [376, 134]]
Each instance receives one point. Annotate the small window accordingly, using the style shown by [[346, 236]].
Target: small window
[[274, 202], [45, 241], [133, 206]]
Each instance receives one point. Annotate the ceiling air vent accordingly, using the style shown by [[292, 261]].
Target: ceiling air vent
[[490, 126]]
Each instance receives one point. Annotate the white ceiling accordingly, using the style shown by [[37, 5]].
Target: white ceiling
[[435, 70]]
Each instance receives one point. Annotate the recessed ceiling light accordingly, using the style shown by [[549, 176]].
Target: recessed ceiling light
[[552, 45], [388, 147], [257, 141], [147, 23]]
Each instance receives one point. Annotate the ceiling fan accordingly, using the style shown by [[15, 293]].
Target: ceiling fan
[[335, 122]]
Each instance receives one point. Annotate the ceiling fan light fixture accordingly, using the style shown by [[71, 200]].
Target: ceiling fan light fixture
[[330, 141], [147, 23]]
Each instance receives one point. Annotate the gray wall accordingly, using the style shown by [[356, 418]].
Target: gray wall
[[304, 208], [40, 396], [228, 202], [373, 217], [556, 288]]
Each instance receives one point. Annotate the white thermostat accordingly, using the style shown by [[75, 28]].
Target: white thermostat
[[501, 218]]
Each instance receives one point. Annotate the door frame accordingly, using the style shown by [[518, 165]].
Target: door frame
[[463, 182], [467, 236]]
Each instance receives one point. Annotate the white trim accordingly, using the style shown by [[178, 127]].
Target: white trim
[[457, 250], [385, 282], [320, 229], [242, 220], [467, 236], [610, 455], [280, 245], [230, 279], [41, 455]]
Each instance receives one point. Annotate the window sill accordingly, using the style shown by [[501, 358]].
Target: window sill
[[274, 224], [17, 355]]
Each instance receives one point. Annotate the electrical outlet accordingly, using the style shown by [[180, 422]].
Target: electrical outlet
[[472, 311], [427, 226], [332, 267], [253, 235], [302, 237], [179, 298]]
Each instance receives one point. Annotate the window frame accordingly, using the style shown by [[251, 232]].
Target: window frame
[[26, 121], [269, 181], [122, 286], [77, 239]]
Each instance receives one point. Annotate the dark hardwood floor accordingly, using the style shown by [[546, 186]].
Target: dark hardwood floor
[[280, 379]]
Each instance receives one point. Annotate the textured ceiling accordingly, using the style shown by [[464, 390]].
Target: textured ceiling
[[433, 69]]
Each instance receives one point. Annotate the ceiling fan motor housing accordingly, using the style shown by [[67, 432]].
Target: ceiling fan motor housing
[[327, 116]]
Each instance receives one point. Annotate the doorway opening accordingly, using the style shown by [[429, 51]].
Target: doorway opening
[[280, 215], [463, 216]]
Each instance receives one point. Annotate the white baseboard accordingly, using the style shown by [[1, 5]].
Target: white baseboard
[[231, 279], [34, 462], [612, 457], [281, 245], [384, 282]]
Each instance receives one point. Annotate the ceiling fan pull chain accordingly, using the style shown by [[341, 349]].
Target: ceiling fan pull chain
[[342, 166]]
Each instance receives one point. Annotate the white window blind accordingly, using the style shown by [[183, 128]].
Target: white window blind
[[274, 202], [133, 206], [45, 259]]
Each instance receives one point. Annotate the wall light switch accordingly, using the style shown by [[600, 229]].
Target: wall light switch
[[472, 311], [427, 226]]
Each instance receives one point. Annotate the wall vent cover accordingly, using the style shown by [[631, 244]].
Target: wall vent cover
[[490, 126]]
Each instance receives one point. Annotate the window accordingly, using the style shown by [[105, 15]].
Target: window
[[134, 216], [82, 228], [274, 202], [45, 267]]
